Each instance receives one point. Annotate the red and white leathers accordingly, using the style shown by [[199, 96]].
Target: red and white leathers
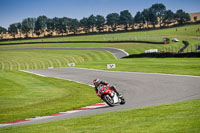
[[98, 84]]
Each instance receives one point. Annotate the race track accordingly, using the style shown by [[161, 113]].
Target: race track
[[139, 89]]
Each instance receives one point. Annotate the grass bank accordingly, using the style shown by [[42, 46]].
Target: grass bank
[[176, 117], [42, 59]]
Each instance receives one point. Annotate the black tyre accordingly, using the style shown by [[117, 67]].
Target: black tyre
[[122, 100], [108, 99]]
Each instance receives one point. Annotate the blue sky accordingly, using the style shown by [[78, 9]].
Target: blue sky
[[13, 11]]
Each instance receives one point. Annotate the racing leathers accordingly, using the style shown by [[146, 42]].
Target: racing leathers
[[97, 88]]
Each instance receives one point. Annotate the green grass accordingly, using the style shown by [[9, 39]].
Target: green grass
[[182, 66], [131, 48], [189, 35], [55, 45], [41, 59], [177, 117], [24, 95]]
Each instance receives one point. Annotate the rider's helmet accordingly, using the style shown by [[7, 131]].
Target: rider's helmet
[[96, 82]]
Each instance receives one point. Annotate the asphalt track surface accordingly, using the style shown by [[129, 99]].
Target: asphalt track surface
[[139, 89]]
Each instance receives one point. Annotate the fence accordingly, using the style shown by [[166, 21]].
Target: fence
[[175, 49], [133, 38]]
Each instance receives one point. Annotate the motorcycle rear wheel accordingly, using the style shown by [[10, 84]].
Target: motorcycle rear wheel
[[108, 99]]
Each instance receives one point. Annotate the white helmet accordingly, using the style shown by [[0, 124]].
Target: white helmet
[[96, 82]]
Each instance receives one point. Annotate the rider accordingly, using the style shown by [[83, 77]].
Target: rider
[[98, 84]]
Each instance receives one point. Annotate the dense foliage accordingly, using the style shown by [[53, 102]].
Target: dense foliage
[[155, 15]]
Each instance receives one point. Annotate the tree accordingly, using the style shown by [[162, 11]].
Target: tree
[[169, 17], [25, 27], [145, 16], [73, 25], [37, 33], [2, 31], [152, 17], [12, 29], [41, 24], [62, 24], [159, 9], [126, 18], [100, 22], [65, 24], [92, 22], [112, 20], [182, 16], [84, 23], [28, 25], [149, 17], [139, 19], [195, 18], [19, 28], [50, 25], [55, 24], [59, 25]]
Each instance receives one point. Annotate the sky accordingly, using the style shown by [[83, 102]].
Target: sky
[[13, 11]]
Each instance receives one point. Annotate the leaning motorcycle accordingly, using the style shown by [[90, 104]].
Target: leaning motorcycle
[[108, 95]]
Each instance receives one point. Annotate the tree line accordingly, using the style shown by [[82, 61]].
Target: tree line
[[157, 14]]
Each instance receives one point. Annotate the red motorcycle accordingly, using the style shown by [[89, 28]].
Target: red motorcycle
[[108, 95]]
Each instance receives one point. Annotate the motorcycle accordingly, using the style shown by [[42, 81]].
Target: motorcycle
[[108, 95]]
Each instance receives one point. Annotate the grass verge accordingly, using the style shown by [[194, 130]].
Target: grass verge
[[24, 95], [176, 117], [183, 66]]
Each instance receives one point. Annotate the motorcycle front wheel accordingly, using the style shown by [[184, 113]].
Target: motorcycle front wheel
[[122, 100], [108, 99]]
